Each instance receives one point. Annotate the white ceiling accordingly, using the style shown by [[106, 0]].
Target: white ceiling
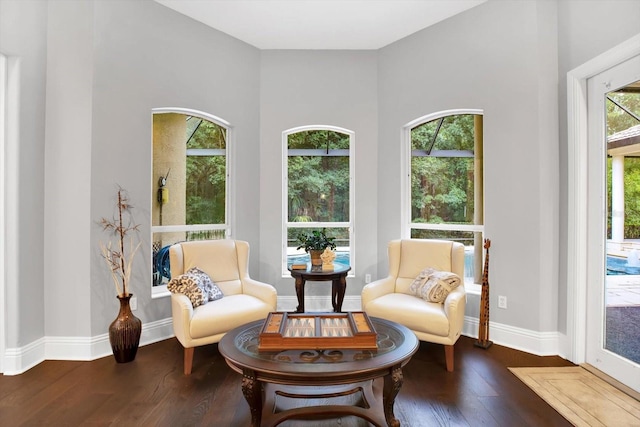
[[319, 24]]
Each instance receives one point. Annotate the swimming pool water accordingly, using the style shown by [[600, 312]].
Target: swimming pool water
[[619, 266], [344, 258], [615, 265]]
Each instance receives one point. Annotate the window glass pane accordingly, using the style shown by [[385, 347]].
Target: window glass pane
[[204, 134], [163, 241], [446, 184], [472, 259], [318, 189], [189, 170], [205, 190], [318, 139], [442, 190], [189, 184], [318, 179], [453, 133], [442, 171], [341, 235]]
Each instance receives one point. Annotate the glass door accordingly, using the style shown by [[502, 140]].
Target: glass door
[[613, 293]]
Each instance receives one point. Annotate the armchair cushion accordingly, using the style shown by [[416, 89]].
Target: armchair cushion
[[415, 313], [220, 316], [433, 285], [196, 285]]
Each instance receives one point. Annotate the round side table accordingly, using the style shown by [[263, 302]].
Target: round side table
[[337, 276]]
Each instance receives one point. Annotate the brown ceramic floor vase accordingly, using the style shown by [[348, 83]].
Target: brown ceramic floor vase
[[124, 332]]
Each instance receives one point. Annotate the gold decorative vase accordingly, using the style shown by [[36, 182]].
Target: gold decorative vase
[[315, 257], [124, 332]]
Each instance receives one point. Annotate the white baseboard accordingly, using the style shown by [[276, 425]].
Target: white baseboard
[[318, 303], [19, 360], [538, 343]]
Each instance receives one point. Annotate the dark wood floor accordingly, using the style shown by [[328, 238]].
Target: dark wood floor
[[152, 391]]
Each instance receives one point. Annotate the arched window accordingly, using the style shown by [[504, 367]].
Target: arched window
[[318, 189], [190, 182], [443, 185]]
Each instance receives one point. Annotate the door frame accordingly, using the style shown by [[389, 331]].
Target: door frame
[[603, 359], [4, 88], [577, 229]]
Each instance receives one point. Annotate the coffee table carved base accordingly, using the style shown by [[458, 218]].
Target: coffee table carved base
[[378, 412], [392, 385], [253, 392], [356, 382], [376, 409]]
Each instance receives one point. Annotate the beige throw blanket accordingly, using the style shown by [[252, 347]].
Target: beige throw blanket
[[433, 285]]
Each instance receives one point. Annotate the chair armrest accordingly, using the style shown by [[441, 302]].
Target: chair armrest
[[260, 290], [377, 289], [454, 307], [182, 312]]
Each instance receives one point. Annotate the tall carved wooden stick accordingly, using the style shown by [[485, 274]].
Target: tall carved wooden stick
[[483, 330]]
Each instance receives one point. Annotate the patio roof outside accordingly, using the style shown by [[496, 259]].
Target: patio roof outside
[[625, 143]]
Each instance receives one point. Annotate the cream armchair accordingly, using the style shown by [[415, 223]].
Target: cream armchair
[[390, 298], [245, 299]]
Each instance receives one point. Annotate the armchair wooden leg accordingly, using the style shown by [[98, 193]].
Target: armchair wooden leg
[[188, 360], [448, 354]]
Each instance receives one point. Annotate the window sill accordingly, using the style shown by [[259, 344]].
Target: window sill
[[473, 288], [160, 291]]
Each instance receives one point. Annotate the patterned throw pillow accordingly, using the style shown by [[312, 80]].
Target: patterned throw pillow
[[433, 285], [196, 285]]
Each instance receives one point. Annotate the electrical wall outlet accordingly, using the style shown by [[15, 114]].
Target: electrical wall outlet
[[502, 301], [367, 278], [133, 302]]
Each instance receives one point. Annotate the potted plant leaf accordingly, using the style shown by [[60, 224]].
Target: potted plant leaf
[[315, 243]]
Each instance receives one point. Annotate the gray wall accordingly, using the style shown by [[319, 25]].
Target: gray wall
[[494, 57], [299, 88], [67, 150], [148, 56], [587, 29], [108, 63], [23, 39], [135, 56]]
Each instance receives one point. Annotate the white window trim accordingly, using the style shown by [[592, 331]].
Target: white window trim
[[229, 225], [352, 198], [405, 185], [4, 89], [9, 143]]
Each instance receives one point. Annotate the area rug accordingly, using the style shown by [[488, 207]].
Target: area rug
[[581, 397]]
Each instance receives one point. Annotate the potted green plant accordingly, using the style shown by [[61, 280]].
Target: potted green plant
[[315, 243]]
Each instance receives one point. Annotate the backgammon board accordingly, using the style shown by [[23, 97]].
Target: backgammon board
[[299, 331]]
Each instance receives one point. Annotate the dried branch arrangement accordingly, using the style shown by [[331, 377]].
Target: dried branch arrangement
[[121, 226]]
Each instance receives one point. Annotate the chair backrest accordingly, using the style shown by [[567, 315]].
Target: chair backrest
[[225, 261], [408, 257]]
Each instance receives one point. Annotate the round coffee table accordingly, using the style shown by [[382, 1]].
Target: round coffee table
[[307, 370]]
